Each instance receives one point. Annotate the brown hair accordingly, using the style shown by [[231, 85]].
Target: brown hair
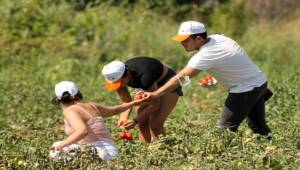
[[66, 98], [126, 71]]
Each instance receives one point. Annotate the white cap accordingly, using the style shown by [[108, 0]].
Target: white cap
[[65, 86], [188, 28], [113, 72]]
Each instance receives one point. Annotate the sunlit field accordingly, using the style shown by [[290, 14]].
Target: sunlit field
[[43, 43]]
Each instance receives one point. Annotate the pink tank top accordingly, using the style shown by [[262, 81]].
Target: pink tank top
[[97, 130]]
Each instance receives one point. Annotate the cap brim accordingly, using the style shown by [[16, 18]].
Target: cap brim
[[113, 86], [180, 38]]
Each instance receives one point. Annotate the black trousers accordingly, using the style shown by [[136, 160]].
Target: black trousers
[[250, 105]]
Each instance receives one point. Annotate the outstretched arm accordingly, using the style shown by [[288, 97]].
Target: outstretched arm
[[107, 111], [172, 84]]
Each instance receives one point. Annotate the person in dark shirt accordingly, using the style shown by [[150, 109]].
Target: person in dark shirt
[[147, 74]]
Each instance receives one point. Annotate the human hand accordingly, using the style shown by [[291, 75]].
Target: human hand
[[137, 102], [148, 96], [208, 81], [121, 122], [138, 94], [129, 124], [57, 147]]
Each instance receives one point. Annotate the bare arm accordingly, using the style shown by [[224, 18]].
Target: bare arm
[[78, 124], [107, 111], [174, 83], [125, 97]]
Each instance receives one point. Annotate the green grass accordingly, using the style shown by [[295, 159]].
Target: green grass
[[43, 43]]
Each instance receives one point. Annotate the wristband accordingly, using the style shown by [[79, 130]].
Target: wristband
[[183, 80]]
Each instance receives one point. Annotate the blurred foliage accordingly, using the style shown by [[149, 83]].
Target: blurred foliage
[[43, 42], [273, 10]]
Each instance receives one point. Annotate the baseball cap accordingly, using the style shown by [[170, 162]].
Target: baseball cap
[[188, 28], [113, 73], [65, 86]]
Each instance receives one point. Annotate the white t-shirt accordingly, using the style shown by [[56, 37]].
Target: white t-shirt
[[224, 59]]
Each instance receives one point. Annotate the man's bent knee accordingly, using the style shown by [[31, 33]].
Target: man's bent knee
[[229, 120]]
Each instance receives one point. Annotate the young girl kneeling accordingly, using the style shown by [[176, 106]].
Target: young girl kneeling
[[84, 122]]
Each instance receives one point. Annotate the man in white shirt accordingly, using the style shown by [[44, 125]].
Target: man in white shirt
[[224, 59]]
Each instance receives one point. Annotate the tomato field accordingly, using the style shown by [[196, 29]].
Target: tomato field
[[44, 42]]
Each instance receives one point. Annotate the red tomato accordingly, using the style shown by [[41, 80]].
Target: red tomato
[[138, 97], [209, 80], [128, 136], [122, 135], [204, 81]]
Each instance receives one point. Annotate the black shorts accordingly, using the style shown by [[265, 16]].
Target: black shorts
[[171, 73]]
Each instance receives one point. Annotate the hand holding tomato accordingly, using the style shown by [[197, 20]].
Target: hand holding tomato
[[138, 95], [207, 81], [138, 98]]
